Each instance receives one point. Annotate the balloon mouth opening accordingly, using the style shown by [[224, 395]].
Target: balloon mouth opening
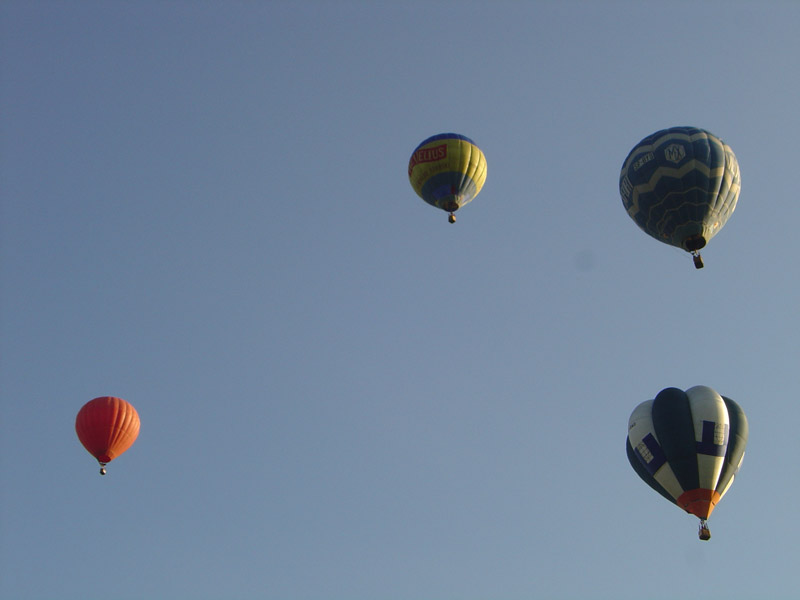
[[699, 502], [694, 243], [449, 205]]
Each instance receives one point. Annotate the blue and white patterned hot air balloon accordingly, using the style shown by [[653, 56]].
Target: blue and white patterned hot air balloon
[[681, 186]]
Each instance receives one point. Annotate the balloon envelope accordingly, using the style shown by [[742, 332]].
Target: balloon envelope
[[680, 185], [688, 446], [447, 171], [107, 427]]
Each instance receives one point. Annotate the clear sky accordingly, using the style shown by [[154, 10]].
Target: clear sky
[[206, 211]]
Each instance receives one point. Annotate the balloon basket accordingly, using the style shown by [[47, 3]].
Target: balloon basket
[[698, 260], [451, 218], [102, 468], [704, 533]]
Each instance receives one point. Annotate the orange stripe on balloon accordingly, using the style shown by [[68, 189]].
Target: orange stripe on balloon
[[699, 502]]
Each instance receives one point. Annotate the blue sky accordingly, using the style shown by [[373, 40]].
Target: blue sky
[[205, 210]]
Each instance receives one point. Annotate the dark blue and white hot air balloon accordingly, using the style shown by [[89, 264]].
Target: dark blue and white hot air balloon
[[688, 446]]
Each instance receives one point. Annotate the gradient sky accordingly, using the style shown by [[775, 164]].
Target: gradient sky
[[205, 210]]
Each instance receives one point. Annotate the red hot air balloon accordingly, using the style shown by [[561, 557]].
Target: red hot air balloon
[[107, 427]]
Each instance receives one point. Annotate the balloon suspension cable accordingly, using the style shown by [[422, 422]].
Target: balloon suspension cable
[[452, 218], [698, 260], [102, 468], [704, 533]]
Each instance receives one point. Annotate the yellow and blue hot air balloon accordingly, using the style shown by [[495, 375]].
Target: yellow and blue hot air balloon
[[688, 446], [681, 185], [447, 171]]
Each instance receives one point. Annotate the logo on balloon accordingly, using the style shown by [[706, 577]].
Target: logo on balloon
[[427, 155], [674, 153], [625, 188], [643, 161]]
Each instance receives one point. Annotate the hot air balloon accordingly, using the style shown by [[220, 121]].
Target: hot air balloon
[[107, 427], [447, 171], [688, 446], [681, 185]]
